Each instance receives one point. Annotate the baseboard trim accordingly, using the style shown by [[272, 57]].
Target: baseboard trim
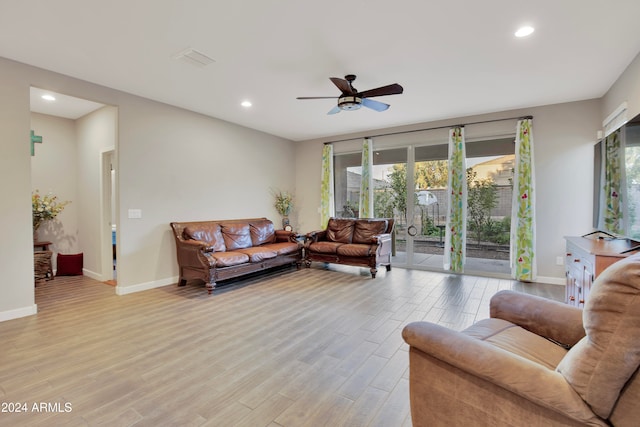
[[92, 274], [124, 290], [18, 312]]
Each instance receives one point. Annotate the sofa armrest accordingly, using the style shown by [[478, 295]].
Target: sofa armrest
[[286, 236], [559, 322], [511, 372], [384, 243], [316, 236], [192, 253]]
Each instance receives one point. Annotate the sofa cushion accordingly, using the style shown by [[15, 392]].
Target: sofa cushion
[[340, 230], [358, 250], [262, 232], [258, 254], [229, 259], [236, 235], [283, 248], [517, 340], [325, 247], [208, 232], [600, 364], [365, 229]]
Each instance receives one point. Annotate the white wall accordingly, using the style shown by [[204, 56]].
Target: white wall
[[178, 165], [53, 171], [16, 249], [173, 165], [625, 89], [564, 135]]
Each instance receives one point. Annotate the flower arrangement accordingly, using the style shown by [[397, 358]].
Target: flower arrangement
[[284, 203], [45, 208]]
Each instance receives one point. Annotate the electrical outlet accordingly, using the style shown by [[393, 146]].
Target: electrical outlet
[[559, 260]]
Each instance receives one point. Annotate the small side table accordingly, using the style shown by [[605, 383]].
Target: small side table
[[42, 246]]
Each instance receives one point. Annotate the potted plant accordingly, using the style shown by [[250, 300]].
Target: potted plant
[[284, 205], [44, 208]]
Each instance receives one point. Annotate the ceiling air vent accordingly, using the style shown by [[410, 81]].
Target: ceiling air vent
[[194, 57]]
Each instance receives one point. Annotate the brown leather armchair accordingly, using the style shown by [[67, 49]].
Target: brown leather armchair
[[535, 362], [364, 242]]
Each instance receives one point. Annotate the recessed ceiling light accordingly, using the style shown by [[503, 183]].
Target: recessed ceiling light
[[524, 31], [246, 104], [48, 97]]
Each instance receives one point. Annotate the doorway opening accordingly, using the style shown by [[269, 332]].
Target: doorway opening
[[75, 135]]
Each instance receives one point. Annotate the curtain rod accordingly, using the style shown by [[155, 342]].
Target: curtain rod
[[431, 128]]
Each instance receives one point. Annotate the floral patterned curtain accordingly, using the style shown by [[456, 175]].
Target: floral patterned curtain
[[327, 208], [456, 230], [612, 217], [366, 183], [523, 262]]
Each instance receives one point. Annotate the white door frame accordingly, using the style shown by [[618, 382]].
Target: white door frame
[[108, 160]]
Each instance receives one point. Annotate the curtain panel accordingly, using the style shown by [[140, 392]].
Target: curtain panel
[[327, 207], [366, 183], [456, 229], [612, 179], [523, 262]]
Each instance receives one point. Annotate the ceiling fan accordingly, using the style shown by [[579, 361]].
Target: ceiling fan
[[351, 99]]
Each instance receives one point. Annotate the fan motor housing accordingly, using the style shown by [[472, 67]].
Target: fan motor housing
[[349, 102]]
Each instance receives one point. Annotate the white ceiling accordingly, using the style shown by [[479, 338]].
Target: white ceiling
[[454, 58], [63, 106]]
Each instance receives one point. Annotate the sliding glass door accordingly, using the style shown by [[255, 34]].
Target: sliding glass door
[[418, 201]]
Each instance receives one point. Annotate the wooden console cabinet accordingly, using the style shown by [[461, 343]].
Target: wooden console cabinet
[[586, 258]]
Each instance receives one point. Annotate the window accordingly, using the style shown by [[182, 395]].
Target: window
[[490, 163], [632, 169]]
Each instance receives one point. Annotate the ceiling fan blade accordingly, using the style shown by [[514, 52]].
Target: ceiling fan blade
[[334, 110], [394, 89], [343, 85], [317, 97], [374, 105]]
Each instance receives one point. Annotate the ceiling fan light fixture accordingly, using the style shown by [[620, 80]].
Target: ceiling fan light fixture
[[349, 103]]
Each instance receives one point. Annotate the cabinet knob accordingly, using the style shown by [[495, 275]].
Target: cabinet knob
[[572, 298], [581, 301], [576, 260], [569, 254]]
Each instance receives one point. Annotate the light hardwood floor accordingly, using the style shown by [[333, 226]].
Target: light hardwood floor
[[312, 347]]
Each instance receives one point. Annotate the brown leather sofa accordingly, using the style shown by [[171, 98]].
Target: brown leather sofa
[[535, 362], [364, 242], [219, 250]]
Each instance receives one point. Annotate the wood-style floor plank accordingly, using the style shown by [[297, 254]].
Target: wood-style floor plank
[[319, 346]]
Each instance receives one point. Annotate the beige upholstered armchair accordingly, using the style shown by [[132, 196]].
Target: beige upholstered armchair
[[535, 362]]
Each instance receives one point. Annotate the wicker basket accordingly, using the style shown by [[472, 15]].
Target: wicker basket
[[42, 265]]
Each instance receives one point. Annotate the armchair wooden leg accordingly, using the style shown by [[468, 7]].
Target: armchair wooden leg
[[388, 266], [210, 287], [373, 271], [182, 282]]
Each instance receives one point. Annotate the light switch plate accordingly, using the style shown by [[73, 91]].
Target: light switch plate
[[135, 213]]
